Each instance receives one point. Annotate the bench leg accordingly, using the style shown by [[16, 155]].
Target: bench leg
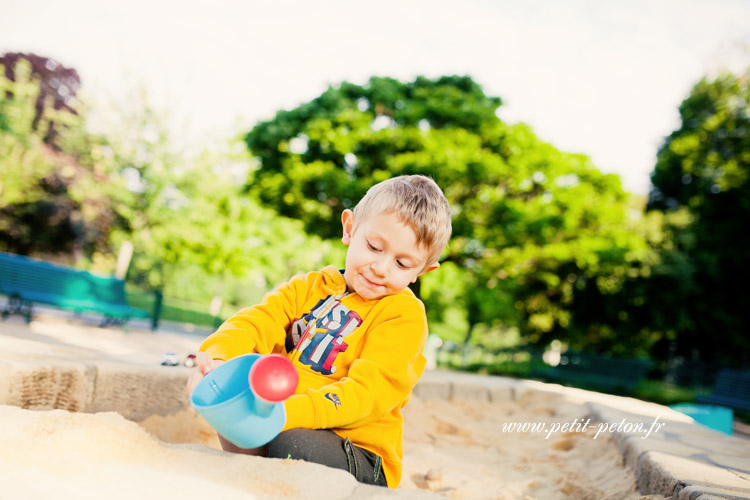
[[110, 320], [17, 305]]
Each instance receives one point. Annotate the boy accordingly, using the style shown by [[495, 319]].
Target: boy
[[355, 336]]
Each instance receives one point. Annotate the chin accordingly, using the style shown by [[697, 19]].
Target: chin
[[371, 295]]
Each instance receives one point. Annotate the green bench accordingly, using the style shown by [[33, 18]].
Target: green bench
[[26, 281], [595, 371], [731, 389]]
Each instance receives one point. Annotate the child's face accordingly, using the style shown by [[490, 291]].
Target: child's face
[[383, 256]]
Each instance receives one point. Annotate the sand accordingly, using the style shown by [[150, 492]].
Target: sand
[[457, 449], [454, 449]]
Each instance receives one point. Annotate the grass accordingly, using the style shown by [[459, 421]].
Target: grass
[[665, 393], [172, 310], [512, 363]]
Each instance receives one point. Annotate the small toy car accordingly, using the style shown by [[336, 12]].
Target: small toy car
[[170, 359]]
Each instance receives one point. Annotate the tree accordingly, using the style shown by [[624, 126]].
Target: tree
[[54, 201], [57, 89], [530, 222], [703, 171], [320, 157], [194, 235]]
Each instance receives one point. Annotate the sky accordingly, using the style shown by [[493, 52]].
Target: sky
[[598, 77]]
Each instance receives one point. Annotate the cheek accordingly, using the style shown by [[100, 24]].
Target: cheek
[[355, 257], [405, 279]]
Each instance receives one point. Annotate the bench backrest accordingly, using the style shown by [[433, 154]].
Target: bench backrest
[[52, 283], [733, 384]]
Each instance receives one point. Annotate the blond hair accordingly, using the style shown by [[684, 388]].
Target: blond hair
[[418, 202]]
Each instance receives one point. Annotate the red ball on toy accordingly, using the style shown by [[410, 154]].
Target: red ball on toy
[[273, 378]]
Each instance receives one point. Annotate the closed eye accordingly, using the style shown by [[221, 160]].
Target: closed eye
[[372, 247]]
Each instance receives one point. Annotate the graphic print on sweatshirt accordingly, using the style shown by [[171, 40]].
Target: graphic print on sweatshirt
[[333, 321]]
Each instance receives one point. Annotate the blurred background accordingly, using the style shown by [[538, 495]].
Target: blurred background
[[596, 156]]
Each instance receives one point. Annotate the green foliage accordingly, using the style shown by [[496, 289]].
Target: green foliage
[[173, 310], [321, 157], [194, 235], [532, 225], [544, 246], [702, 182], [665, 393], [18, 144], [47, 205], [55, 87]]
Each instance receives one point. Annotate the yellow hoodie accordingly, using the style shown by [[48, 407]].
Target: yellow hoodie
[[358, 360]]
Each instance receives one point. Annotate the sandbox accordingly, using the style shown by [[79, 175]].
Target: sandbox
[[120, 426]]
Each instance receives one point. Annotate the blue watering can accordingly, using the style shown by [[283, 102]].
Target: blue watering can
[[243, 398]]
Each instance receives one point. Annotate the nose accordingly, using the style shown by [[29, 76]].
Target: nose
[[379, 267]]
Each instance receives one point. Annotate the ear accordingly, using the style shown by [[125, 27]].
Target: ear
[[426, 270], [347, 223]]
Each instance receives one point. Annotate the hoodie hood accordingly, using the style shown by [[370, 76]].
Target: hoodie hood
[[333, 280]]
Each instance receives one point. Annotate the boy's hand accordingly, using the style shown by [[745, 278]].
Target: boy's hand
[[203, 365]]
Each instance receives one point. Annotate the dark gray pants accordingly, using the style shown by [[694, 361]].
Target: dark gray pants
[[327, 448]]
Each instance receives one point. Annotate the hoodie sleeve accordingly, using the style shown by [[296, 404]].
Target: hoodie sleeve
[[381, 379], [261, 328]]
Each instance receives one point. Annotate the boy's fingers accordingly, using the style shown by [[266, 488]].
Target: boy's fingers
[[204, 362], [193, 380], [203, 365]]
